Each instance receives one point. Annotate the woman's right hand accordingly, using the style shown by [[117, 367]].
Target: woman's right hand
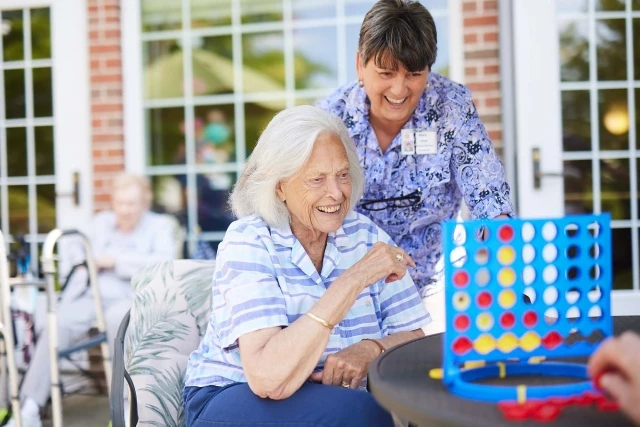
[[383, 261]]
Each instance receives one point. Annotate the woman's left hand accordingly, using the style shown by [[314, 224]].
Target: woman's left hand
[[348, 366]]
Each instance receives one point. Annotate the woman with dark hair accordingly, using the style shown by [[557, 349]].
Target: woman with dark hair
[[420, 141]]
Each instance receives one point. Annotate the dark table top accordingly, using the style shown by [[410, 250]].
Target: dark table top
[[399, 380]]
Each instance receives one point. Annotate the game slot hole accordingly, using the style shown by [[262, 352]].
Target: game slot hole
[[596, 337], [550, 274], [595, 313], [528, 253], [572, 252], [573, 314], [506, 255], [572, 296], [550, 295], [528, 275], [595, 272], [551, 315], [549, 231], [482, 256], [482, 277], [482, 234], [458, 257], [573, 273], [505, 233], [461, 301], [571, 230], [594, 294], [574, 337], [459, 235], [594, 251], [594, 229], [528, 232], [549, 252], [529, 295]]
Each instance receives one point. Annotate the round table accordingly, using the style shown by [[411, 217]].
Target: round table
[[399, 380]]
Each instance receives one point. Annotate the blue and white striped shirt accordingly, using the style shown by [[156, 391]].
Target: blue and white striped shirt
[[264, 278]]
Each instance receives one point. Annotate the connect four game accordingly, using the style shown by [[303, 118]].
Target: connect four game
[[518, 292]]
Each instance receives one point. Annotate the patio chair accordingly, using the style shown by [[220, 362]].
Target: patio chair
[[168, 318]]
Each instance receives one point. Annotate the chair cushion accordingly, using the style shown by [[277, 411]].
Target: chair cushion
[[169, 316]]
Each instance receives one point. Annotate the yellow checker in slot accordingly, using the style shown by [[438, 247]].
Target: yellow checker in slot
[[506, 255], [530, 341], [507, 298], [484, 344], [506, 277], [507, 342], [484, 321]]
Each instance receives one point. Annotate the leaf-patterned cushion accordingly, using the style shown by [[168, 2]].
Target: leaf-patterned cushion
[[169, 315]]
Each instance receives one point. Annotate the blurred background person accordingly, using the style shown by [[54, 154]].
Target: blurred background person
[[123, 240]]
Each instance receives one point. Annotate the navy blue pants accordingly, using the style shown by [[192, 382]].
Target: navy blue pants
[[312, 405]]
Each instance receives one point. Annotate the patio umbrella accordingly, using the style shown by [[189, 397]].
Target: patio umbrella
[[212, 73]]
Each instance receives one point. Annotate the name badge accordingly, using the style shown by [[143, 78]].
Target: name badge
[[426, 142], [408, 142]]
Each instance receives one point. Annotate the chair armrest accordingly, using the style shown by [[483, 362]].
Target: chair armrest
[[118, 378]]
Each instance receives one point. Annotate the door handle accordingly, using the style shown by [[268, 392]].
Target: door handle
[[75, 192], [537, 173]]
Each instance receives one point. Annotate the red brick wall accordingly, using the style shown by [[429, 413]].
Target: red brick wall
[[106, 96], [482, 62]]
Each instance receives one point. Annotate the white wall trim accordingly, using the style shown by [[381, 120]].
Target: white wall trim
[[456, 41], [26, 4], [132, 87], [625, 303], [71, 109]]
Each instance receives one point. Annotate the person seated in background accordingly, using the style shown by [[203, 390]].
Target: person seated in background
[[306, 292], [619, 359], [123, 240]]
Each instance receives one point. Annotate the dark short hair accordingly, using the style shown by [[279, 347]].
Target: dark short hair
[[398, 31]]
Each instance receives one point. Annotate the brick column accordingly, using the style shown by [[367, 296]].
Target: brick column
[[482, 62], [106, 96]]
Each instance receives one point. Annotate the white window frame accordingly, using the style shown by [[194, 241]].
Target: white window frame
[[71, 116], [133, 97]]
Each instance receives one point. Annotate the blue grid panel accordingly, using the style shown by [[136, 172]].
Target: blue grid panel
[[580, 237]]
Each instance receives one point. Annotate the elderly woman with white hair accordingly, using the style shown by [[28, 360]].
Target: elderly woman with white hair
[[306, 292], [123, 240]]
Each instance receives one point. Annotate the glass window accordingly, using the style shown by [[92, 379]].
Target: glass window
[[214, 79]]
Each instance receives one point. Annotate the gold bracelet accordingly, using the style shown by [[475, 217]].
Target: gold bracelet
[[319, 320], [376, 342]]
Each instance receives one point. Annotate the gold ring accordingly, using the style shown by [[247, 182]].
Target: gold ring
[[399, 257], [345, 385]]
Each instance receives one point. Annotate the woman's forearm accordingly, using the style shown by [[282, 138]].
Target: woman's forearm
[[400, 338], [290, 356]]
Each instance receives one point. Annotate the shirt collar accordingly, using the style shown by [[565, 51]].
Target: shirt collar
[[283, 236]]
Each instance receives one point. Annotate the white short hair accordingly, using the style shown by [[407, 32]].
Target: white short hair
[[282, 150]]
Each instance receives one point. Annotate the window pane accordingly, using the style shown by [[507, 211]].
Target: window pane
[[315, 58], [46, 196], [161, 15], [263, 62], [213, 190], [638, 184], [612, 49], [636, 47], [576, 120], [578, 187], [357, 7], [622, 258], [163, 76], [166, 144], [212, 66], [614, 119], [18, 209], [16, 152], [257, 116], [44, 150], [40, 33], [615, 188], [574, 50], [571, 5], [42, 93], [207, 13], [14, 92], [215, 139], [313, 9], [13, 37], [260, 11], [610, 5]]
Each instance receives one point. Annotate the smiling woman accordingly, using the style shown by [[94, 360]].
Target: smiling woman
[[306, 292]]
